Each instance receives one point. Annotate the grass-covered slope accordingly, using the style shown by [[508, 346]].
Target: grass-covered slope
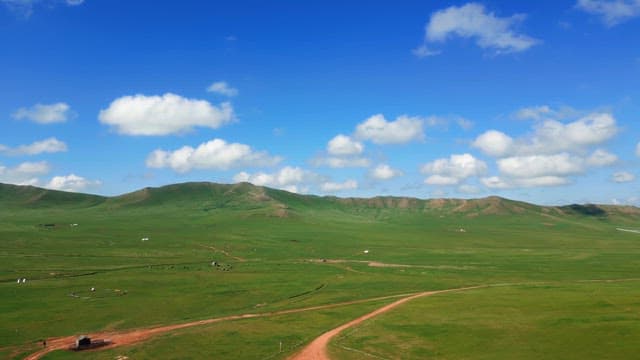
[[207, 196], [23, 197], [270, 245]]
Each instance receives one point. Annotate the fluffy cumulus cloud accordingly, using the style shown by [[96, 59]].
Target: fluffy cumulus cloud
[[50, 145], [612, 12], [334, 187], [384, 172], [44, 113], [71, 182], [222, 88], [25, 173], [551, 136], [400, 131], [552, 153], [622, 177], [535, 166], [342, 152], [453, 170], [494, 143], [601, 157], [293, 179], [474, 21], [344, 145], [163, 115], [216, 154]]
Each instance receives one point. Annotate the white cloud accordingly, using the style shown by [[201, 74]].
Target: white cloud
[[553, 152], [622, 177], [534, 113], [494, 143], [50, 145], [464, 123], [71, 182], [44, 114], [612, 12], [534, 166], [453, 170], [25, 7], [380, 131], [601, 157], [332, 187], [25, 173], [342, 145], [216, 154], [473, 21], [423, 51], [638, 150], [384, 172], [343, 151], [496, 182], [163, 115], [545, 112], [222, 88], [551, 136], [293, 179], [441, 180], [590, 130]]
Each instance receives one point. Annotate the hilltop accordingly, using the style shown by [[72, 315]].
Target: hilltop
[[254, 199]]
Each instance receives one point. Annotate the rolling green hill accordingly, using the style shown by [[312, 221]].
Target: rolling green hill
[[244, 196], [149, 255]]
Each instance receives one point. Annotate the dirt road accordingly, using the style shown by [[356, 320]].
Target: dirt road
[[138, 335], [317, 349]]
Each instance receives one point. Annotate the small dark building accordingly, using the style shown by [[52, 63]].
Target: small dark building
[[83, 342]]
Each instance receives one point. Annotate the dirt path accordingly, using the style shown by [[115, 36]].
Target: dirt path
[[317, 349], [134, 336]]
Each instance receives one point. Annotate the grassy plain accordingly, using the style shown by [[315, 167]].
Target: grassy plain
[[272, 242]]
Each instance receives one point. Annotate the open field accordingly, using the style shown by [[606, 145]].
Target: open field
[[568, 321], [278, 251]]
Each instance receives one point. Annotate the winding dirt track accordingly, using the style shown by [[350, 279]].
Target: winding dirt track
[[130, 337], [317, 349]]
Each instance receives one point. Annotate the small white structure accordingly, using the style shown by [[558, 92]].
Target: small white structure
[[93, 289], [18, 281], [366, 251], [462, 230], [74, 225], [24, 280], [145, 239]]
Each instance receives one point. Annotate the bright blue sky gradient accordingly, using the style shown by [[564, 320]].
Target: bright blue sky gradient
[[308, 71]]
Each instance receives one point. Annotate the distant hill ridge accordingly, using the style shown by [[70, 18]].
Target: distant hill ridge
[[246, 196]]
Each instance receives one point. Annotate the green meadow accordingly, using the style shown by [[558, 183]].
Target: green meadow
[[275, 251]]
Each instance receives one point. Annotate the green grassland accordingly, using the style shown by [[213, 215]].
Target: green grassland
[[269, 245], [568, 321]]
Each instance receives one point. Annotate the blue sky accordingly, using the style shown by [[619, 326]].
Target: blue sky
[[536, 101]]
